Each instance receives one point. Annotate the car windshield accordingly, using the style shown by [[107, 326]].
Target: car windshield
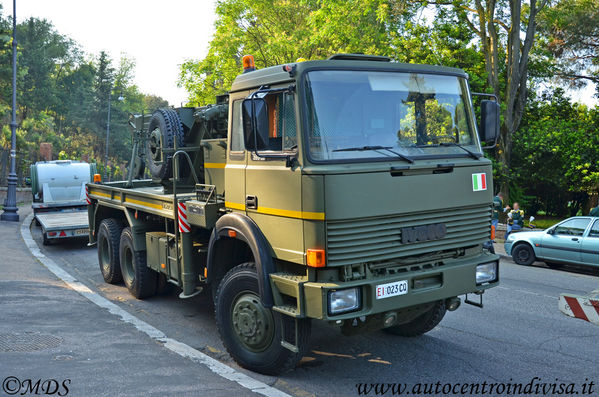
[[364, 115]]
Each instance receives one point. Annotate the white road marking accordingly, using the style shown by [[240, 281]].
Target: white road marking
[[527, 292], [172, 344]]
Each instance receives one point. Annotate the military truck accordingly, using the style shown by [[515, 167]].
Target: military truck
[[351, 190]]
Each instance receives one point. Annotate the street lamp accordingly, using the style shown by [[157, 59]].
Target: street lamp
[[120, 98], [10, 205]]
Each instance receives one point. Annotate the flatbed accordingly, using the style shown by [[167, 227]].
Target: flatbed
[[63, 224]]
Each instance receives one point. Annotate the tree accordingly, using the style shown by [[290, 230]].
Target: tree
[[572, 34]]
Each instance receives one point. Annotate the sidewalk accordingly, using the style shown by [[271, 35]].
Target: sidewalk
[[52, 333]]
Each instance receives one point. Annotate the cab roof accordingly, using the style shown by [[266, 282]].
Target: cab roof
[[276, 75]]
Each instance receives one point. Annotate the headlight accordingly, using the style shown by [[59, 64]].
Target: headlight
[[486, 273], [511, 237], [345, 300]]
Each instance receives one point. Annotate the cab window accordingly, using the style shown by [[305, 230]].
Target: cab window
[[237, 128], [282, 132], [594, 230], [573, 227]]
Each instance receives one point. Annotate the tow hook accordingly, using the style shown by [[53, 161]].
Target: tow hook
[[452, 304]]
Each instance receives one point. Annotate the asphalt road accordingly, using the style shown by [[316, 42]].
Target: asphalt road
[[519, 334]]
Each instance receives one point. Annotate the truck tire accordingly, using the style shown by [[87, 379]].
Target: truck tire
[[109, 235], [45, 239], [252, 333], [523, 254], [140, 280], [165, 126], [421, 324]]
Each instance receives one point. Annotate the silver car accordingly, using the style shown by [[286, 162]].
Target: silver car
[[573, 241]]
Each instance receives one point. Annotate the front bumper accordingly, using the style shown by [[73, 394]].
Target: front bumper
[[508, 247], [425, 285]]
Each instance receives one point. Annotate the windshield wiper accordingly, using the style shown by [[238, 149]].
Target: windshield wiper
[[472, 154], [364, 148]]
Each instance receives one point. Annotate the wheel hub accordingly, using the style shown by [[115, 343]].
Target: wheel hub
[[253, 324], [155, 144]]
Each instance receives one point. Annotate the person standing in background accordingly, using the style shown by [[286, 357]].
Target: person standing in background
[[497, 206], [515, 220]]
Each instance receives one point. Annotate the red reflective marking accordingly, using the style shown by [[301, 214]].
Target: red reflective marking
[[576, 308], [484, 181]]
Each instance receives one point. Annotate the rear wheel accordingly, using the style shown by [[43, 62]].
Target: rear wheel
[[252, 333], [523, 254], [140, 280], [109, 234], [421, 324], [45, 239]]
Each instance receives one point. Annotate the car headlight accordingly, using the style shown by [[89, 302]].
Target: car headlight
[[511, 237], [344, 300], [486, 273]]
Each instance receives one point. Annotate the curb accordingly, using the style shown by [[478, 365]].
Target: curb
[[171, 344], [582, 307]]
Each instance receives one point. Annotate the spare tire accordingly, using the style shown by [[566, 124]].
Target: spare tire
[[165, 126]]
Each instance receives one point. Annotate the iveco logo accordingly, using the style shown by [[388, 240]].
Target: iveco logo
[[434, 231]]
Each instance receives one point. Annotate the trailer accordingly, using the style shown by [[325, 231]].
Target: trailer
[[60, 199]]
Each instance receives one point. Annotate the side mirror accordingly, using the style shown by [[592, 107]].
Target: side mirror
[[28, 181], [255, 123], [551, 231], [489, 129]]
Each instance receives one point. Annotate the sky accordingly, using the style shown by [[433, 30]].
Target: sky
[[159, 35]]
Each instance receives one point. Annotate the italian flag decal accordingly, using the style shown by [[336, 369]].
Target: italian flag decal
[[479, 182]]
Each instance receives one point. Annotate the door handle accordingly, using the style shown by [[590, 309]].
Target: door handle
[[574, 238], [251, 202]]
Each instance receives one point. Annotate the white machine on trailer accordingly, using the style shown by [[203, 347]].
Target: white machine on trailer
[[59, 198]]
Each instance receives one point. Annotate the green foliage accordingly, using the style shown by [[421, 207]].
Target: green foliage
[[556, 153], [63, 96], [280, 31]]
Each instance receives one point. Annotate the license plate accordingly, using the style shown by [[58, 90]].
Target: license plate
[[391, 289], [81, 231]]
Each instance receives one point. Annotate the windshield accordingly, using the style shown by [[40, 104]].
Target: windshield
[[363, 114]]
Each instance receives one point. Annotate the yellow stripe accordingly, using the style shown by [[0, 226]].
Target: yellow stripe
[[152, 205], [318, 216], [127, 200], [235, 206], [214, 165]]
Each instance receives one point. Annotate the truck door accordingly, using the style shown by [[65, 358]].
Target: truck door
[[236, 158], [273, 190]]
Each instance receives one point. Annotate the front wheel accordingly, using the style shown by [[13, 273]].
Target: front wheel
[[523, 254], [252, 333], [421, 324]]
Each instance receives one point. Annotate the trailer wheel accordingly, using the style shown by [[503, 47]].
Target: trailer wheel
[[252, 333], [45, 239], [109, 234], [421, 324], [165, 126], [140, 280]]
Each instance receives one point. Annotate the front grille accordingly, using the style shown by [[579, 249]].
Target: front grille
[[378, 239]]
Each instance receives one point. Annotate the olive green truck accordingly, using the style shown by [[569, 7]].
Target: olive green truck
[[351, 190]]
